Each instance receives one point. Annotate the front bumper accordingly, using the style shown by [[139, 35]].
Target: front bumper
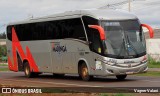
[[114, 70]]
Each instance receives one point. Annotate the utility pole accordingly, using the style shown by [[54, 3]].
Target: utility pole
[[129, 5]]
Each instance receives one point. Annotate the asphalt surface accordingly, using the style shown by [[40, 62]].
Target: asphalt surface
[[47, 80]]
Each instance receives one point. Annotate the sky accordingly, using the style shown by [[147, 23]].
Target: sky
[[17, 10]]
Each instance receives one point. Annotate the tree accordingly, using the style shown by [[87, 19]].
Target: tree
[[3, 35], [3, 53]]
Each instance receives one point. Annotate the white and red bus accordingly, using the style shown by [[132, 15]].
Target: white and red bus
[[86, 42]]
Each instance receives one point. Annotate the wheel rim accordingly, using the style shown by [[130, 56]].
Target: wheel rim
[[27, 70], [84, 72]]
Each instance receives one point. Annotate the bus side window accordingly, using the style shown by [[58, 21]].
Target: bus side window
[[9, 33], [73, 28]]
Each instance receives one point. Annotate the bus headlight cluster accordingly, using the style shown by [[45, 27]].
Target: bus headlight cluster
[[111, 63], [144, 61]]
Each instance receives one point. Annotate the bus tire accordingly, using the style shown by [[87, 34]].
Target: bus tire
[[121, 77], [84, 74], [27, 70]]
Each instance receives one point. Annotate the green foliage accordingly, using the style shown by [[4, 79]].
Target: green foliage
[[3, 35], [149, 73], [3, 50], [122, 94], [4, 69], [45, 90], [153, 63], [104, 94], [3, 64], [116, 94], [3, 53]]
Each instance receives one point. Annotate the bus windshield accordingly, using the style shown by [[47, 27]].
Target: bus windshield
[[124, 39]]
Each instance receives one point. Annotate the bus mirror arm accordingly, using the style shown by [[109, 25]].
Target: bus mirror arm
[[100, 30], [151, 32], [89, 42]]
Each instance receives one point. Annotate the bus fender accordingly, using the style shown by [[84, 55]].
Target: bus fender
[[82, 59]]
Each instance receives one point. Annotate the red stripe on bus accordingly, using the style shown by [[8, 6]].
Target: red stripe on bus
[[31, 60], [12, 67], [16, 46]]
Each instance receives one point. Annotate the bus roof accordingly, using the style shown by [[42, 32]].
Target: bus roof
[[101, 14]]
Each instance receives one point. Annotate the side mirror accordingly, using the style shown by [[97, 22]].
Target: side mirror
[[151, 32], [100, 30]]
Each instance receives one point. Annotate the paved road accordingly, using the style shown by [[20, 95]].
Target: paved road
[[47, 80]]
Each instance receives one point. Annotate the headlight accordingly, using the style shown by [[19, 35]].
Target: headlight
[[144, 61], [111, 63]]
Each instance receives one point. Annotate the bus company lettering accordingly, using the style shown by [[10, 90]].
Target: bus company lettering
[[59, 48]]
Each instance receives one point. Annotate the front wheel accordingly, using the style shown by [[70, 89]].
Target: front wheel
[[84, 74], [121, 77]]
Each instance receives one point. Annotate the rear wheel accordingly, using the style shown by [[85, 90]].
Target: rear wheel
[[27, 70], [121, 77], [84, 74]]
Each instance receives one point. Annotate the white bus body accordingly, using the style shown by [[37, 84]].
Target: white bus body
[[86, 42]]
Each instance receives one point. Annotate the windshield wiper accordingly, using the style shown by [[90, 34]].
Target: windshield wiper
[[132, 45], [121, 48], [123, 45]]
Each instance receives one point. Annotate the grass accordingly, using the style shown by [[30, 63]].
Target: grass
[[3, 64], [149, 73], [50, 90], [116, 94], [4, 69], [128, 94], [153, 63]]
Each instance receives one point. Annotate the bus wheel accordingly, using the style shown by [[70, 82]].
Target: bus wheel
[[121, 77], [27, 70], [84, 73]]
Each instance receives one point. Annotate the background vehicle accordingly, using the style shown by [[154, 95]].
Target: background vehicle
[[87, 42]]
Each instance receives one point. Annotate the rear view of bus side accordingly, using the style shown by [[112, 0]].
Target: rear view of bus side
[[86, 42]]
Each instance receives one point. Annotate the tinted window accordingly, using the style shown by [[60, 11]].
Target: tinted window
[[73, 29], [93, 34], [9, 33], [60, 29], [89, 21]]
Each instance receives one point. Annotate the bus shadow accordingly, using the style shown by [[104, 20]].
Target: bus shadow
[[77, 78]]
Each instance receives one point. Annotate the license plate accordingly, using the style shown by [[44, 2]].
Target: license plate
[[129, 72]]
